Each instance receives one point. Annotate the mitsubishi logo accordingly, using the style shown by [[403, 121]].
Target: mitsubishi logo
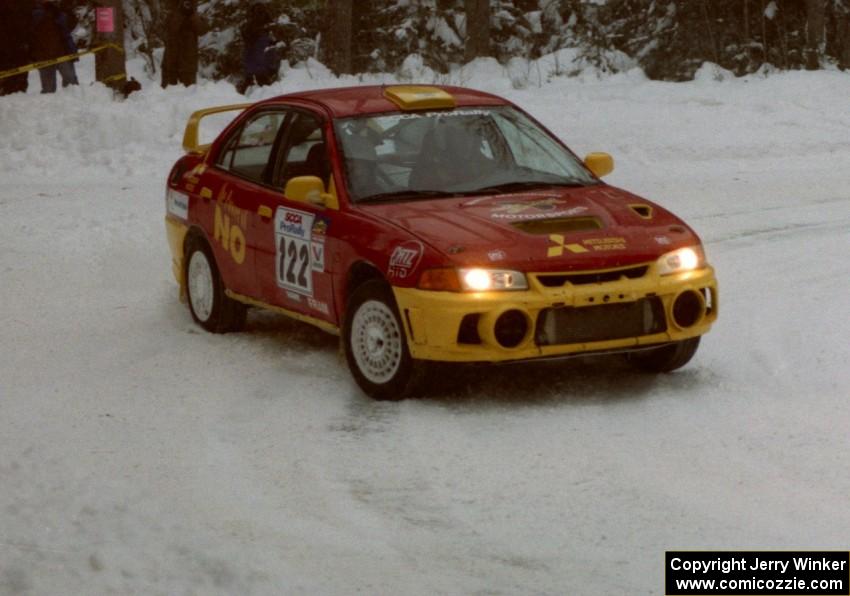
[[560, 246]]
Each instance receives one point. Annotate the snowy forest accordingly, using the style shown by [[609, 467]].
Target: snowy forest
[[669, 40]]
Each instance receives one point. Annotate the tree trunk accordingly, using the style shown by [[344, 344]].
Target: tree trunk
[[109, 64], [815, 32], [842, 34], [477, 28], [340, 15]]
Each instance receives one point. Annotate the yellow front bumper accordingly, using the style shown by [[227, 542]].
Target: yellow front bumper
[[433, 319], [175, 231]]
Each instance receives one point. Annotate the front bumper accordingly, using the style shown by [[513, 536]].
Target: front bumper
[[461, 327], [175, 232]]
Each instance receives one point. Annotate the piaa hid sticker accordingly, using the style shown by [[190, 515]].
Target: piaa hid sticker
[[405, 259]]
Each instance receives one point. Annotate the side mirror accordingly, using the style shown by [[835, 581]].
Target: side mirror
[[601, 164], [306, 189]]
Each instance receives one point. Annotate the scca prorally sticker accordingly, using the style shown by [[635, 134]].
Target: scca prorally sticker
[[178, 204], [405, 259], [293, 232]]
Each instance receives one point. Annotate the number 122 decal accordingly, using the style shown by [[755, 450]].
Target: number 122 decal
[[293, 231]]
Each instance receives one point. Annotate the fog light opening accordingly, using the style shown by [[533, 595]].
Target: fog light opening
[[511, 328], [688, 309]]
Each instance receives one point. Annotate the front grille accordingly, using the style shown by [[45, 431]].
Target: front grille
[[570, 325], [556, 280]]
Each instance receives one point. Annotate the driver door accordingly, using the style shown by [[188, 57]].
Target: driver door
[[293, 271]]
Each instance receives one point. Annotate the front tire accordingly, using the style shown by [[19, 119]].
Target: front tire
[[376, 344], [209, 305], [666, 358]]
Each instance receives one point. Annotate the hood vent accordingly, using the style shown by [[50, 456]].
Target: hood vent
[[644, 211], [562, 225]]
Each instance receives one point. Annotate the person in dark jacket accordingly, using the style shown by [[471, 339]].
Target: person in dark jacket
[[15, 17], [51, 38], [180, 61], [260, 60]]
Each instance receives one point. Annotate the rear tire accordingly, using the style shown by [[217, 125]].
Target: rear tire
[[666, 358], [208, 303], [375, 344]]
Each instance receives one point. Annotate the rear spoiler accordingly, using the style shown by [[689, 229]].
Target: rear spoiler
[[191, 142]]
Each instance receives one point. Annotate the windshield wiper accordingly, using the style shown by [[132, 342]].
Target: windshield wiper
[[406, 194], [525, 184]]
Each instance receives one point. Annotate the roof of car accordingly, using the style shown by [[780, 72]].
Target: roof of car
[[371, 99]]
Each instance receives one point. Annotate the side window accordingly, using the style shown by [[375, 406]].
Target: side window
[[248, 151], [305, 153]]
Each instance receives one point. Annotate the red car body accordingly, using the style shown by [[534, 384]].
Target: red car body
[[582, 247]]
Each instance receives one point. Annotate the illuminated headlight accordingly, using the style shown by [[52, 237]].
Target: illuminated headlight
[[483, 280], [683, 259]]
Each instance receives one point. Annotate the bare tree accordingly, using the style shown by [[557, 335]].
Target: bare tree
[[146, 21], [477, 28], [340, 17], [815, 33], [109, 64]]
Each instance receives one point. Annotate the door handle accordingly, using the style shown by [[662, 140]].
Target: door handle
[[264, 211]]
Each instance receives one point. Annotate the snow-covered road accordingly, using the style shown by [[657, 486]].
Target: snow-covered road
[[139, 455]]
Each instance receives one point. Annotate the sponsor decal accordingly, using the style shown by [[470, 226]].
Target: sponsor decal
[[662, 240], [178, 204], [497, 255], [228, 225], [404, 259], [593, 244], [319, 306], [294, 259], [606, 243], [317, 256], [320, 226], [515, 208], [561, 246], [293, 296], [530, 210]]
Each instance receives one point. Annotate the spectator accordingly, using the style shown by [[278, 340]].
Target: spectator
[[180, 61], [51, 38], [15, 34], [260, 60]]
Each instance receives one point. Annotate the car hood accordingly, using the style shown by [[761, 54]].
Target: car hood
[[557, 229]]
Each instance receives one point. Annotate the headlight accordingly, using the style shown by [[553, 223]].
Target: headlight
[[683, 259], [484, 280], [472, 280]]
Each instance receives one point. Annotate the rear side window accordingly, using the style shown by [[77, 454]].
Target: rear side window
[[304, 153], [248, 151]]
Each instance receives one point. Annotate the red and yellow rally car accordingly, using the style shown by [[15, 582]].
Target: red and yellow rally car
[[426, 223]]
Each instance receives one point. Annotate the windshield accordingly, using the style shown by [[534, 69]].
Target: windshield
[[450, 153]]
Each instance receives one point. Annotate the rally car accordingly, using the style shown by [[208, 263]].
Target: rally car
[[426, 223]]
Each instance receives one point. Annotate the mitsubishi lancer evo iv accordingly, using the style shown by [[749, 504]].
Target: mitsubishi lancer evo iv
[[426, 223]]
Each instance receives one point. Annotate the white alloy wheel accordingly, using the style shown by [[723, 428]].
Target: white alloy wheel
[[201, 285], [376, 341]]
